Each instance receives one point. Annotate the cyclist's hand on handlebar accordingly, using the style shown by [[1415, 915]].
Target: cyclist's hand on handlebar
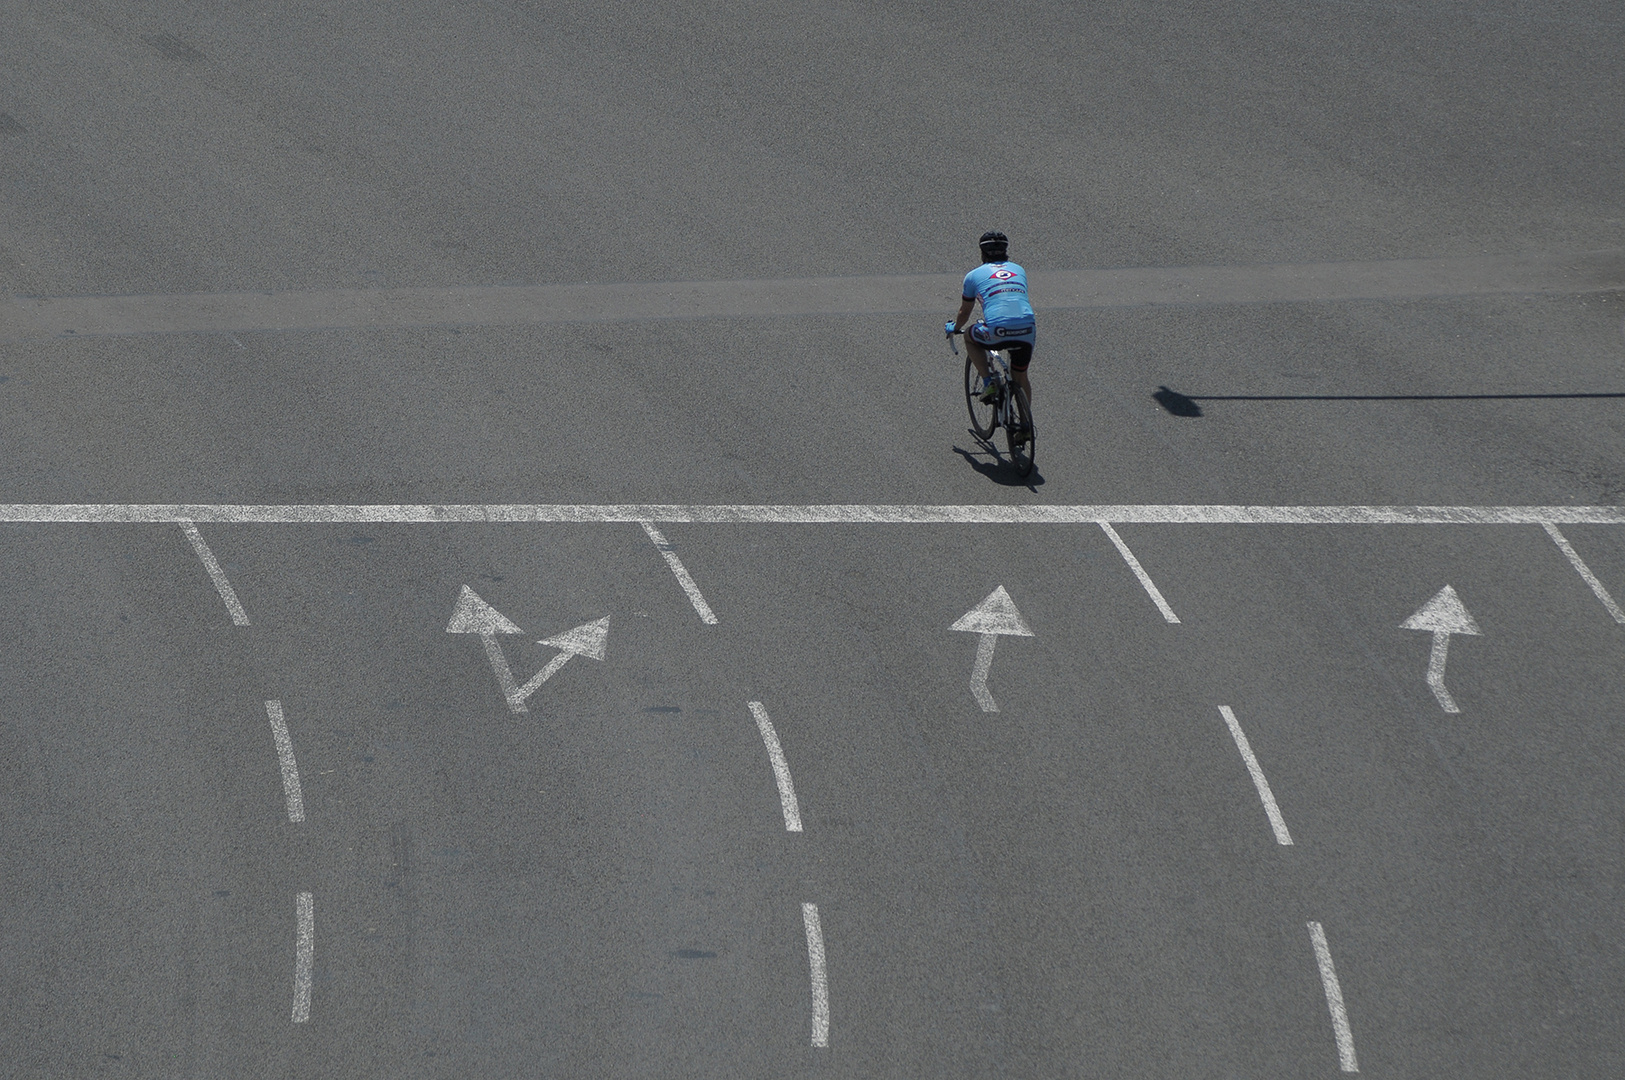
[[948, 327]]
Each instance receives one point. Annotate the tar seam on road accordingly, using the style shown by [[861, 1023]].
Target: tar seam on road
[[1334, 999], [679, 571], [647, 514], [239, 617], [1139, 572], [304, 956], [820, 978], [781, 768], [290, 769], [1569, 273], [1584, 571], [1256, 771]]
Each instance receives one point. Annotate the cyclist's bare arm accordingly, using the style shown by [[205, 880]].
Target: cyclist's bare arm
[[965, 308]]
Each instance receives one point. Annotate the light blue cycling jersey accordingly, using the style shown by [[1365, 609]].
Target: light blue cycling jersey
[[1002, 289]]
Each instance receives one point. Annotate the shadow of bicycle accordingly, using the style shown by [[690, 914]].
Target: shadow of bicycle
[[987, 460]]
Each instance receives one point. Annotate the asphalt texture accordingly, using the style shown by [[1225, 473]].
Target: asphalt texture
[[1082, 884]]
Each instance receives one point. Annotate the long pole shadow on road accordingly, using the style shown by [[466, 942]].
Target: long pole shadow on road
[[1187, 404], [997, 467]]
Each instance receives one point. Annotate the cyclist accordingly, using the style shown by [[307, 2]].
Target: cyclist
[[1007, 318]]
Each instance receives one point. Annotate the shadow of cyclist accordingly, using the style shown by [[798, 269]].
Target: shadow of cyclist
[[997, 468]]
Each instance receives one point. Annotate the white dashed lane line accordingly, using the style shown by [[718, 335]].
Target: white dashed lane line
[[239, 617], [291, 791], [1271, 810], [1584, 571], [820, 977], [679, 571], [1334, 999], [1150, 586], [781, 768], [304, 955]]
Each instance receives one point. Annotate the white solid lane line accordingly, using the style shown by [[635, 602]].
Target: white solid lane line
[[647, 514], [304, 956], [1277, 822], [1584, 571], [820, 979], [1139, 572], [291, 791], [239, 617], [658, 538], [1334, 999], [781, 768]]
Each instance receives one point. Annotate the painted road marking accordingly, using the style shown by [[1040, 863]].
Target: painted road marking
[[781, 768], [1584, 571], [1139, 572], [585, 640], [1570, 273], [304, 956], [239, 617], [995, 615], [679, 571], [1334, 999], [647, 514], [291, 791], [472, 615], [820, 978], [1444, 615], [1256, 771]]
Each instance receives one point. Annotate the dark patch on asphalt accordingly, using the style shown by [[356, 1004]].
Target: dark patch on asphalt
[[672, 709], [10, 125], [173, 47], [695, 954]]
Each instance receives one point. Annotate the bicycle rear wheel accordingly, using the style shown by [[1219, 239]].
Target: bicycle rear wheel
[[982, 414], [1019, 435]]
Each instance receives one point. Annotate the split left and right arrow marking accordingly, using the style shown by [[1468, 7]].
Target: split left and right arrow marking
[[473, 615]]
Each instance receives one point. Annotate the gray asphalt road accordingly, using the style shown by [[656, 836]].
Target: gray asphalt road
[[1083, 883]]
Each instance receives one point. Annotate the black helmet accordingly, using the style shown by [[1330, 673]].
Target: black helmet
[[995, 246]]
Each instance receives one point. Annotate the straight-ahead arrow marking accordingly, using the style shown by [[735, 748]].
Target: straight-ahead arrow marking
[[1442, 616], [994, 616]]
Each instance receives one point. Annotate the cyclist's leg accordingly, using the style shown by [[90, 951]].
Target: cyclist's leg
[[1020, 357], [975, 350]]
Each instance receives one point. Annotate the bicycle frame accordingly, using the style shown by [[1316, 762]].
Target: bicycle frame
[[998, 368], [1010, 408]]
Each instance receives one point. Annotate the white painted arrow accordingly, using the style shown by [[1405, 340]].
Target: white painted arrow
[[994, 616], [473, 615], [1444, 615], [585, 640]]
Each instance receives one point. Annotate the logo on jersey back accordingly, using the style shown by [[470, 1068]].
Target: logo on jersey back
[[1003, 275]]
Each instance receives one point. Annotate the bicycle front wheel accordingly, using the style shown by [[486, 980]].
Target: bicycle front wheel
[[1019, 435], [982, 414]]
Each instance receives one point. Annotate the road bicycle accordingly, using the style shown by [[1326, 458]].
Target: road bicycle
[[1008, 409]]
